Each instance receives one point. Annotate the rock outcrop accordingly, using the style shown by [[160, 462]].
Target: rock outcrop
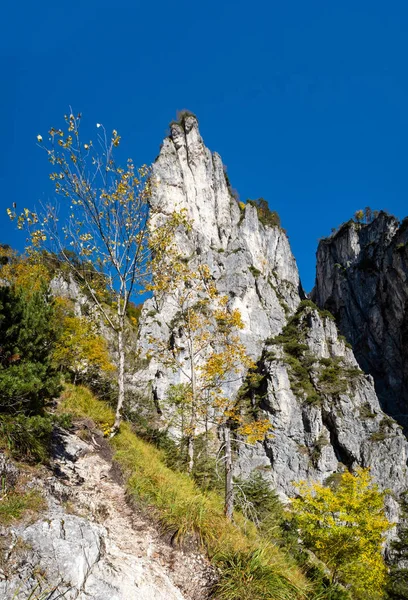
[[362, 278], [324, 410], [251, 262]]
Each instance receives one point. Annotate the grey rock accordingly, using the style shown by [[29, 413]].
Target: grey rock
[[87, 544], [65, 286], [251, 263], [362, 278], [344, 428], [254, 266], [77, 556]]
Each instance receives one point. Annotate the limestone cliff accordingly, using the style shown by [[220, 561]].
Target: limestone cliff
[[251, 262], [323, 408], [362, 278]]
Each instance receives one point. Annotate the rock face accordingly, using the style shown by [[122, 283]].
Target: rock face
[[323, 408], [252, 263], [362, 278], [324, 411]]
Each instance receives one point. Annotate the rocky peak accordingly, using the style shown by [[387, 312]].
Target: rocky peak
[[323, 408], [362, 278], [250, 260], [188, 176]]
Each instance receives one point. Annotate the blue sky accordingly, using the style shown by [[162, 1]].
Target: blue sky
[[307, 102]]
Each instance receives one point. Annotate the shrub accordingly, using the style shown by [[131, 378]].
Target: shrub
[[383, 432], [181, 116], [261, 504], [331, 379], [326, 314], [366, 412], [27, 377], [133, 312], [378, 436], [265, 215], [320, 443], [345, 527], [255, 272], [79, 350], [295, 348], [343, 339]]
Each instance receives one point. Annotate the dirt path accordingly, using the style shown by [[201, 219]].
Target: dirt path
[[97, 492], [89, 543]]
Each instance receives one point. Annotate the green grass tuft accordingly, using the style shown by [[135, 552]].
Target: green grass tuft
[[26, 438], [249, 576], [14, 505]]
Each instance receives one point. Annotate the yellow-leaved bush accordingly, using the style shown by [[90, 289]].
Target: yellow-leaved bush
[[78, 347], [344, 525]]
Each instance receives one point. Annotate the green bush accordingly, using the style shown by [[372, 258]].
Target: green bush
[[296, 349], [255, 498], [320, 443], [255, 272], [366, 412], [27, 377], [182, 116], [386, 424]]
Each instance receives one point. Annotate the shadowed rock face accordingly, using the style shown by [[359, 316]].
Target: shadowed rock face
[[362, 278]]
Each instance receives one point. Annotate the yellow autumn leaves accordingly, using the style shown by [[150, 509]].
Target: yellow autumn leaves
[[207, 349], [344, 525], [78, 348]]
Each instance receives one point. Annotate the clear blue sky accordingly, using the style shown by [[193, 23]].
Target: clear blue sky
[[307, 102]]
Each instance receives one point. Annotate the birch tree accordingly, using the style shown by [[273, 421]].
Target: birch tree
[[204, 347], [99, 213]]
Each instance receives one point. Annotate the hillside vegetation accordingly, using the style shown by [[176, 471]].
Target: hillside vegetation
[[258, 557], [251, 566]]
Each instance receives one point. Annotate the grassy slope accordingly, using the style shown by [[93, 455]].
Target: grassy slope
[[250, 567]]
